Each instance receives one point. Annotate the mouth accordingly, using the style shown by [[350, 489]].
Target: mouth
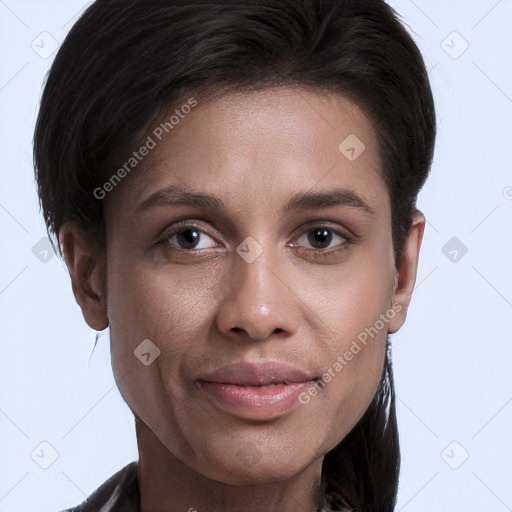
[[252, 375], [271, 385], [256, 392], [256, 384]]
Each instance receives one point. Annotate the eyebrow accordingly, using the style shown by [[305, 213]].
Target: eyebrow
[[176, 195]]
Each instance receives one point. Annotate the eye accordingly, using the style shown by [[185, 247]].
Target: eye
[[323, 239], [187, 238]]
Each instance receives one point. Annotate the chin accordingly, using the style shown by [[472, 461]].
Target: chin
[[258, 470]]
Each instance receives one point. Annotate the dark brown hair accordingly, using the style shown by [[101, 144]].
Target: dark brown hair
[[126, 63]]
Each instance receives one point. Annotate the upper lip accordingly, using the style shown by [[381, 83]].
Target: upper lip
[[247, 374]]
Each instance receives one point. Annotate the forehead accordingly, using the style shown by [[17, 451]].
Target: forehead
[[256, 149]]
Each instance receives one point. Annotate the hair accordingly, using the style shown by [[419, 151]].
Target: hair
[[126, 63]]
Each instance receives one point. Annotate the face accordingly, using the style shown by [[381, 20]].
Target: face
[[288, 261]]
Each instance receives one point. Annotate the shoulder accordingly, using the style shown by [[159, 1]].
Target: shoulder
[[120, 493]]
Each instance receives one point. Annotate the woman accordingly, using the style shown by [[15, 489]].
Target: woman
[[233, 188]]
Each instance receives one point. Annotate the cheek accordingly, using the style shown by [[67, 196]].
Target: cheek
[[350, 320], [156, 313], [154, 301]]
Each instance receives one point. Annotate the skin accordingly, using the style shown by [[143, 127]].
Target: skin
[[206, 308]]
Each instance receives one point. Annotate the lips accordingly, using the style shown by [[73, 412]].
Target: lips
[[251, 375], [255, 391]]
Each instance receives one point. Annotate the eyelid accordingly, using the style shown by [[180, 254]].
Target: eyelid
[[318, 224]]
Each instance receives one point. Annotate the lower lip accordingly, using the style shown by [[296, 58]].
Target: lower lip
[[255, 402]]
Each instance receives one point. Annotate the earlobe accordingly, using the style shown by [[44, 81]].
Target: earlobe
[[407, 269], [86, 264]]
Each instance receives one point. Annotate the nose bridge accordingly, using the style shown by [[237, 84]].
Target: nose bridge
[[255, 269], [257, 301]]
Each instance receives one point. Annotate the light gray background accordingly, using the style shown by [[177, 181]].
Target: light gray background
[[452, 359]]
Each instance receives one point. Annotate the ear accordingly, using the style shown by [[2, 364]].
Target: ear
[[406, 271], [86, 264]]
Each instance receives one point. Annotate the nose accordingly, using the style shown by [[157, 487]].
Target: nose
[[259, 299]]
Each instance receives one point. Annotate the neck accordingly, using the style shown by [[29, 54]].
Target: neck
[[168, 485]]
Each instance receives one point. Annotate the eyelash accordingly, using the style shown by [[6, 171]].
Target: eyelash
[[322, 253]]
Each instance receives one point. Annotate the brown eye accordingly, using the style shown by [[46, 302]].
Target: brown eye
[[323, 239], [320, 238], [187, 238]]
